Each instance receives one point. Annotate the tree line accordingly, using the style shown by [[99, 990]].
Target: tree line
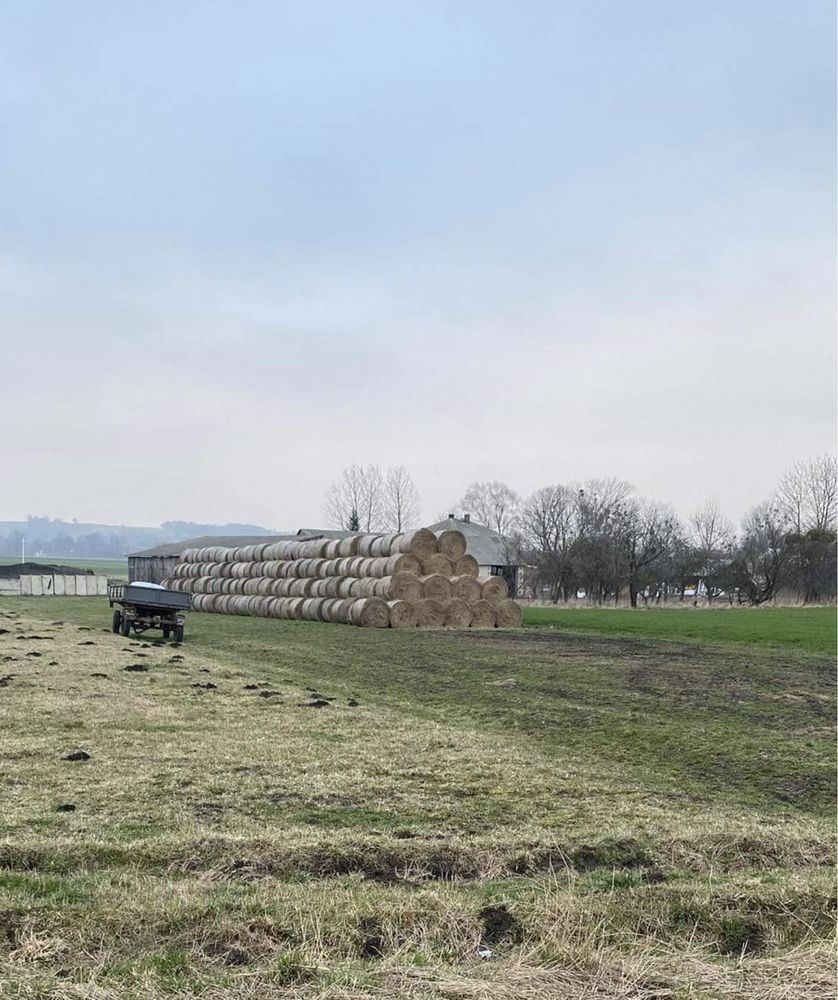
[[600, 540]]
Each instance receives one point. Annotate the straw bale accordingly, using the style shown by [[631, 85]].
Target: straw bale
[[508, 614], [466, 566], [436, 587], [403, 614], [371, 612], [482, 615], [429, 613], [466, 588], [402, 587], [452, 544], [494, 590], [457, 614], [437, 563]]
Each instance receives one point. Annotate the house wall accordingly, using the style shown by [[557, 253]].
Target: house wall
[[509, 573]]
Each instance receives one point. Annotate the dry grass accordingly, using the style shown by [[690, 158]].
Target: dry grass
[[234, 841]]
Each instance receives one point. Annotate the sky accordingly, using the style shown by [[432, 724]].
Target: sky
[[245, 244]]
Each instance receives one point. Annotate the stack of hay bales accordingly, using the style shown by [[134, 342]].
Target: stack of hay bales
[[395, 580]]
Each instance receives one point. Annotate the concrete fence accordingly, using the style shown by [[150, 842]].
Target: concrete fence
[[54, 585]]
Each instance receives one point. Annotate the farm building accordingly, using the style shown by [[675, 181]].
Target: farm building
[[491, 549]]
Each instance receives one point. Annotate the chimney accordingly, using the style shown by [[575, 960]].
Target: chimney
[[467, 518]]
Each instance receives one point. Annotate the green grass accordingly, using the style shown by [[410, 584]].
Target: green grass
[[117, 568], [808, 629], [615, 816]]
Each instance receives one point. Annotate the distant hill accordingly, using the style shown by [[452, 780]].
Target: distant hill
[[47, 536]]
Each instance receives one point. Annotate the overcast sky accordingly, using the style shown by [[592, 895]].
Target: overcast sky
[[244, 244]]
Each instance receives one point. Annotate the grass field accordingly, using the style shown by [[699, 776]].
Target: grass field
[[812, 629], [284, 809], [117, 568]]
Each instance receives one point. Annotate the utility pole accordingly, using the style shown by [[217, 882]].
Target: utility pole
[[23, 548]]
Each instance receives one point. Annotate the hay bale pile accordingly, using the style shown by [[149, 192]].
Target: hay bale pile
[[396, 580]]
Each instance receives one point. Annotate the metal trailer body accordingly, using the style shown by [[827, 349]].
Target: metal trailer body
[[144, 607]]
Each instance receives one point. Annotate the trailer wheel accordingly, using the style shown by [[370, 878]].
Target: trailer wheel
[[126, 625], [117, 621], [178, 633]]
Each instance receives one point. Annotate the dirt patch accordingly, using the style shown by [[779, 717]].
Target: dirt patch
[[370, 937], [136, 668], [77, 755], [66, 807], [499, 925]]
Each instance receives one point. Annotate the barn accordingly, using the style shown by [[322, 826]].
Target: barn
[[492, 550]]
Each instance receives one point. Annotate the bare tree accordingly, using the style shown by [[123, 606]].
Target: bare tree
[[763, 557], [493, 504], [646, 532], [355, 501], [401, 503], [807, 494], [548, 524], [712, 539]]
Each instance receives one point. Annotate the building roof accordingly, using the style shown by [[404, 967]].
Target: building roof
[[228, 541], [324, 533], [487, 546]]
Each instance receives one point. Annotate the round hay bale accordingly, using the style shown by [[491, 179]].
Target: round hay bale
[[466, 566], [348, 546], [457, 614], [452, 544], [437, 563], [356, 565], [340, 612], [421, 543], [381, 545], [494, 590], [365, 544], [295, 608], [436, 586], [430, 614], [370, 612], [367, 586], [300, 588], [466, 588], [403, 587], [508, 614], [482, 615], [403, 614]]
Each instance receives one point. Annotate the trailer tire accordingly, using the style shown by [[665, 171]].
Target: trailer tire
[[179, 633], [117, 621], [126, 625]]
